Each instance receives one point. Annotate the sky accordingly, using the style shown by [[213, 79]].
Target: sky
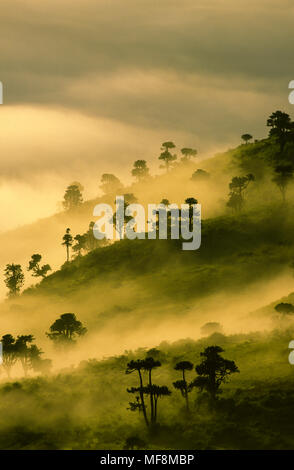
[[92, 85]]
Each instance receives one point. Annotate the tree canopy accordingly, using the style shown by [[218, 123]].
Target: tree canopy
[[66, 329]]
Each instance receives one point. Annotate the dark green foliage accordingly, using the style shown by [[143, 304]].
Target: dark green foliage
[[73, 196], [246, 138], [284, 309], [283, 176], [253, 411], [191, 201], [37, 270], [166, 156], [87, 242], [153, 391], [258, 158], [138, 365], [65, 330], [67, 242], [80, 244], [237, 187], [183, 385], [165, 202], [25, 352], [14, 278], [9, 353], [140, 170], [110, 183], [92, 243], [267, 154], [129, 198], [188, 154], [235, 250], [213, 371], [281, 128], [255, 408]]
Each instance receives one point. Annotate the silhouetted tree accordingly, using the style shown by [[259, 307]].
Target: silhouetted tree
[[191, 201], [281, 126], [182, 385], [235, 201], [66, 329], [156, 391], [156, 354], [87, 242], [13, 278], [237, 188], [213, 371], [246, 138], [166, 155], [153, 391], [200, 175], [110, 183], [24, 351], [140, 170], [165, 202], [149, 365], [73, 196], [188, 154], [138, 366], [67, 242], [283, 176], [284, 309], [92, 243], [37, 270], [80, 244], [9, 353]]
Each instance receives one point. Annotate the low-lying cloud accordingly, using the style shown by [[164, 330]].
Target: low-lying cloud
[[91, 86]]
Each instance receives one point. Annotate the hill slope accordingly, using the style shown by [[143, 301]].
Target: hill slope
[[134, 295]]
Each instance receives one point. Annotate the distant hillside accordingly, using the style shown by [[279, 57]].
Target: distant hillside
[[45, 235], [234, 250], [152, 281], [134, 295], [243, 257]]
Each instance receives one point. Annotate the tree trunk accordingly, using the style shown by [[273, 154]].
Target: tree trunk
[[142, 399], [155, 410], [186, 392], [151, 398]]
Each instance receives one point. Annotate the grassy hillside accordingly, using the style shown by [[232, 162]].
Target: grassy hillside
[[143, 297], [153, 282], [87, 408], [45, 235]]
